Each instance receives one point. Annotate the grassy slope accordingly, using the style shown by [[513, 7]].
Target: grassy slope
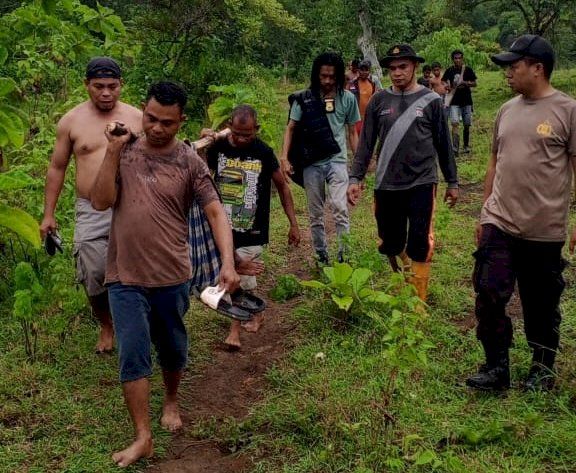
[[65, 412], [334, 415]]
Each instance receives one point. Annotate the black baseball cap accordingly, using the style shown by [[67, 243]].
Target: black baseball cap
[[103, 68], [400, 51], [365, 64], [528, 45]]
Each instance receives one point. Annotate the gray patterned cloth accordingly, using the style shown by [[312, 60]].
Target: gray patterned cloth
[[204, 255]]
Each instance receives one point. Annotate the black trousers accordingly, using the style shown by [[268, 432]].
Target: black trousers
[[404, 219], [501, 260]]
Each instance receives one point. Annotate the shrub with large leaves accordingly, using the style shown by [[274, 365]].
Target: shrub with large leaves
[[16, 220]]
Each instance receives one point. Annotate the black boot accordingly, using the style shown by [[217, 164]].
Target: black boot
[[541, 376], [494, 375]]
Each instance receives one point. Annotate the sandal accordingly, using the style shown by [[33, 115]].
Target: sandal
[[53, 242], [218, 300], [248, 301]]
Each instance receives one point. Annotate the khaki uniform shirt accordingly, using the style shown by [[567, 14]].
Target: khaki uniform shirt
[[535, 144]]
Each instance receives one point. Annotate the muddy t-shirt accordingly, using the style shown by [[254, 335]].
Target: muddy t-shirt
[[243, 177], [149, 233], [535, 145]]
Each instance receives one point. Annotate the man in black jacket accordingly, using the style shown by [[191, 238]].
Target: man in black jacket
[[322, 117]]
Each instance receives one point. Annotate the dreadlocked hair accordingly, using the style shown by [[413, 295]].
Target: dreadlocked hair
[[327, 59]]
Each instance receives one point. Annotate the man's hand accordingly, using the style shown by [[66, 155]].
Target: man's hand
[[572, 244], [248, 267], [294, 235], [478, 234], [48, 225], [208, 133], [229, 278], [286, 168], [117, 132], [451, 196], [354, 193]]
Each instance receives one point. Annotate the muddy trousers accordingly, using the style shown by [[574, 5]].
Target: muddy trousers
[[501, 260]]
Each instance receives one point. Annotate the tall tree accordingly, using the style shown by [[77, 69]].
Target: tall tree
[[366, 41], [540, 16]]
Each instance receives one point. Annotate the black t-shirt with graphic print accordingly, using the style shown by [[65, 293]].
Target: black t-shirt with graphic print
[[463, 95], [244, 178]]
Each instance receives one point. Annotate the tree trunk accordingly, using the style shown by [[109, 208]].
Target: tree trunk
[[366, 43]]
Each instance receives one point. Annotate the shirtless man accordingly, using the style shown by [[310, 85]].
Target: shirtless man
[[81, 133]]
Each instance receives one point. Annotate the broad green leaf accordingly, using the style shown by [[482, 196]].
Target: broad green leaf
[[344, 302], [15, 136], [359, 278], [7, 85], [313, 284], [381, 297], [68, 5], [425, 457], [13, 127], [16, 179], [342, 273], [107, 28], [21, 223], [23, 304], [24, 276]]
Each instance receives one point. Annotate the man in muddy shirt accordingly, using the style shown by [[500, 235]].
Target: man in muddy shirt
[[81, 133], [150, 183]]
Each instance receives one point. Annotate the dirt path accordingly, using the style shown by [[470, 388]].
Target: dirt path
[[230, 385]]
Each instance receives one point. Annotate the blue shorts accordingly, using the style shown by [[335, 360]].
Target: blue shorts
[[144, 316], [464, 112]]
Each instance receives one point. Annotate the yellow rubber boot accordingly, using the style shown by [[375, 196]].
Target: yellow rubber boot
[[419, 279]]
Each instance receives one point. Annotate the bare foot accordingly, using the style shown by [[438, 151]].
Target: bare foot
[[170, 419], [137, 450], [253, 325], [232, 342], [105, 340]]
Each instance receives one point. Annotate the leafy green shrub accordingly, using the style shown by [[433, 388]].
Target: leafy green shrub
[[438, 46], [257, 93], [16, 220], [287, 287], [29, 298], [396, 314]]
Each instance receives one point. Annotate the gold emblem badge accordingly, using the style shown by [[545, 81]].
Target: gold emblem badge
[[544, 129], [396, 50], [329, 105]]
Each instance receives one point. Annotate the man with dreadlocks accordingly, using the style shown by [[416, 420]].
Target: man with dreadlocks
[[410, 122], [321, 117]]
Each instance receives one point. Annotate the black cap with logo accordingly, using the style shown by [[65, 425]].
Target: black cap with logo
[[400, 51], [528, 45], [103, 68]]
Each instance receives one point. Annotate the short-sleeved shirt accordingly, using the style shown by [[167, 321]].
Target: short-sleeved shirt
[[244, 177], [535, 146], [345, 113], [149, 233], [463, 95]]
